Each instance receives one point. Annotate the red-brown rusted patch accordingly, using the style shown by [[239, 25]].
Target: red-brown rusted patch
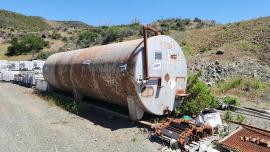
[[167, 77], [148, 91], [180, 91], [233, 141]]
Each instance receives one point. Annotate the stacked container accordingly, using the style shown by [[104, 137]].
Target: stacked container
[[9, 75], [12, 69], [13, 65], [38, 64], [26, 65], [3, 68]]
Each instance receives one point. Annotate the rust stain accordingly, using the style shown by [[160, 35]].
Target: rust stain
[[148, 91], [167, 77]]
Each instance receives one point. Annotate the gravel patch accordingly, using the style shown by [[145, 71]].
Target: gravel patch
[[28, 123]]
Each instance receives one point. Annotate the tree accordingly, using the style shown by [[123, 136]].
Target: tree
[[196, 19], [199, 98], [26, 44]]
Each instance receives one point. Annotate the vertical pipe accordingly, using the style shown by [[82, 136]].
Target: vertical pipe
[[145, 29], [145, 51]]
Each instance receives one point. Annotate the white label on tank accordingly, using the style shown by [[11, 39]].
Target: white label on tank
[[86, 62], [156, 66], [172, 83]]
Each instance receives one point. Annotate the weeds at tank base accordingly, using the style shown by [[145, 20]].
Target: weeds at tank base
[[64, 102]]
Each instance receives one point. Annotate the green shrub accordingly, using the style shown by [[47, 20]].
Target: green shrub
[[44, 55], [199, 98], [25, 45], [244, 84], [228, 115], [204, 49], [199, 25], [112, 34], [248, 46], [65, 39], [186, 49], [87, 38], [240, 118], [196, 19], [231, 101], [56, 35]]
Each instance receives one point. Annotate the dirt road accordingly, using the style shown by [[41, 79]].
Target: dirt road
[[28, 123]]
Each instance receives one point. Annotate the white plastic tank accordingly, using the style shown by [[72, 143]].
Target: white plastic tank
[[26, 65], [38, 64], [13, 65], [9, 75]]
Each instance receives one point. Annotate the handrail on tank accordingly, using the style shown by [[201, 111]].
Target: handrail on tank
[[145, 29]]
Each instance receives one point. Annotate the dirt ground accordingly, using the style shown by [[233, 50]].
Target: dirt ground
[[28, 123]]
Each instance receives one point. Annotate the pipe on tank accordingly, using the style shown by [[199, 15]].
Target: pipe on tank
[[145, 36]]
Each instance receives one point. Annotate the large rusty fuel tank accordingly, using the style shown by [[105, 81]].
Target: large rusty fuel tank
[[122, 73]]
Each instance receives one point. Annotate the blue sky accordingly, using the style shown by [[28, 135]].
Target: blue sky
[[110, 12]]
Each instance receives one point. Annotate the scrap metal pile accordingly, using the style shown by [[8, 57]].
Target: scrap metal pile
[[183, 131]]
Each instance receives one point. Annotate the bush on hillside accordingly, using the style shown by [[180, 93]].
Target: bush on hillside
[[112, 34], [196, 19], [87, 38], [44, 55], [56, 35], [26, 44], [200, 97]]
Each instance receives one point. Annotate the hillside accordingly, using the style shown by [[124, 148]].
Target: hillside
[[69, 35], [235, 54], [253, 32], [16, 21], [233, 58]]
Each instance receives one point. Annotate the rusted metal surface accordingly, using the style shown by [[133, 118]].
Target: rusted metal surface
[[247, 139], [116, 73], [183, 131]]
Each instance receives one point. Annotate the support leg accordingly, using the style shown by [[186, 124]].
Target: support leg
[[77, 95], [135, 112]]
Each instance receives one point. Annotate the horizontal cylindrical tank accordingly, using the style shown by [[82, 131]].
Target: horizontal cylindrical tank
[[115, 73]]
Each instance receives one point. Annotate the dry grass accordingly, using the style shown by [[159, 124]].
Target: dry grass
[[54, 45], [251, 32], [3, 49], [247, 90]]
